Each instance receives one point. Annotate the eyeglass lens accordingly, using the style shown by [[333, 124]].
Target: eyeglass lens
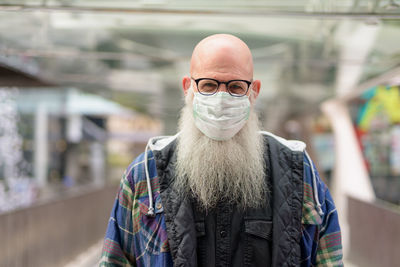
[[234, 87]]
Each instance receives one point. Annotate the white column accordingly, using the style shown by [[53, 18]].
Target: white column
[[74, 128], [350, 176], [97, 163], [41, 146]]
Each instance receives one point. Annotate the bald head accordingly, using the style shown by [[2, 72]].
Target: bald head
[[222, 54], [223, 57]]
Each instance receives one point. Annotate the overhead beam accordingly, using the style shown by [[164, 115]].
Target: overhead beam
[[259, 11]]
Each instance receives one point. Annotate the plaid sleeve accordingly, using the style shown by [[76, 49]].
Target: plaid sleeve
[[329, 251], [321, 241], [118, 246]]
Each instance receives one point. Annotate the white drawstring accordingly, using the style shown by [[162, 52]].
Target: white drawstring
[[150, 212], [159, 139], [320, 212]]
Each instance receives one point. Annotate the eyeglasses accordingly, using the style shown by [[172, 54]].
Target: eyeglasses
[[208, 86]]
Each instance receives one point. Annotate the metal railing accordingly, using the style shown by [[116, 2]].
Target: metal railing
[[374, 234], [52, 233]]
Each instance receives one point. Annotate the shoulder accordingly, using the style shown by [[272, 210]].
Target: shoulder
[[159, 143], [135, 173], [315, 192], [293, 145], [317, 199]]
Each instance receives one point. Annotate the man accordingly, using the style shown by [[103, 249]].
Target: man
[[220, 192]]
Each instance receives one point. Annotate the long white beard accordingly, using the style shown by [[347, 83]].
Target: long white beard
[[232, 171]]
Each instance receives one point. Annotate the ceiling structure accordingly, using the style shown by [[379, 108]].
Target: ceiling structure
[[136, 52]]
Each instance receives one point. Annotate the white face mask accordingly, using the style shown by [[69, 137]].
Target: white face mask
[[220, 116]]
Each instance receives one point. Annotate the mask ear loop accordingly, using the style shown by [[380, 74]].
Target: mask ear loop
[[251, 96], [188, 98]]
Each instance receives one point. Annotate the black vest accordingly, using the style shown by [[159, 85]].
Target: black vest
[[227, 237]]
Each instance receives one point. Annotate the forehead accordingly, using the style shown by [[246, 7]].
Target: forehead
[[222, 63], [222, 70]]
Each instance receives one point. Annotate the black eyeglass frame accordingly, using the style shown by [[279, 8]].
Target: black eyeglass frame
[[219, 83]]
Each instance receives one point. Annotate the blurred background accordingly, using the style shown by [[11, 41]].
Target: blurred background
[[85, 84]]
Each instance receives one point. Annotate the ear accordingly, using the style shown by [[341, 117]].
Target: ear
[[186, 84], [256, 86]]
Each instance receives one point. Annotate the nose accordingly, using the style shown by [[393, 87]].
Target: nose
[[222, 87]]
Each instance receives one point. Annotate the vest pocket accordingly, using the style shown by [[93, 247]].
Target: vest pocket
[[258, 237]]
